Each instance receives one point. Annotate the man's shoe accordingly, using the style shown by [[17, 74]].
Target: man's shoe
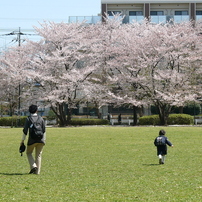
[[33, 170]]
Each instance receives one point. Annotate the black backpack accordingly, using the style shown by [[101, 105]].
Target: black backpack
[[160, 140], [35, 128]]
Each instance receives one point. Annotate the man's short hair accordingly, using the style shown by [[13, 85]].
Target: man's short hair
[[33, 109]]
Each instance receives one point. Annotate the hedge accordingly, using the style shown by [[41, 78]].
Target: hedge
[[13, 121], [149, 120], [174, 119], [180, 119], [83, 121]]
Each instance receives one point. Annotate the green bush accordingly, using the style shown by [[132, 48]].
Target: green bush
[[174, 119], [149, 120], [13, 121], [181, 119], [80, 122]]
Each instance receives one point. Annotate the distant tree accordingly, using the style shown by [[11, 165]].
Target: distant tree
[[109, 63], [167, 60], [61, 64], [13, 78], [110, 54], [155, 65]]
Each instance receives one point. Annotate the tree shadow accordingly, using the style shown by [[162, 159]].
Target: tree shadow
[[13, 174]]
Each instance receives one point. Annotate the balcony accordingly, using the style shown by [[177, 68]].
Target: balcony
[[181, 18], [155, 19], [159, 19], [118, 18], [199, 17], [86, 19], [135, 19]]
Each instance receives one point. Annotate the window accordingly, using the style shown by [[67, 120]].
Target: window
[[112, 13], [156, 12], [135, 13], [198, 12], [181, 12]]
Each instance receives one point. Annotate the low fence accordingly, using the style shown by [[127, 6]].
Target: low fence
[[197, 120], [123, 121]]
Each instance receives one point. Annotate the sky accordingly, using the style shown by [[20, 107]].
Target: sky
[[24, 14]]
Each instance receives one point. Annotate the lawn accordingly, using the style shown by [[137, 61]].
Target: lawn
[[116, 164]]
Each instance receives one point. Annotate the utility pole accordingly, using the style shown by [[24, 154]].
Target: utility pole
[[18, 39], [19, 91]]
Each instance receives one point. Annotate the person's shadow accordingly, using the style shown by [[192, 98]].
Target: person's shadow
[[151, 164], [13, 173]]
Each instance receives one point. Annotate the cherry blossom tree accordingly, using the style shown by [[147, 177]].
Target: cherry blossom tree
[[115, 57], [13, 63], [167, 66], [134, 64], [158, 66], [61, 65], [105, 51]]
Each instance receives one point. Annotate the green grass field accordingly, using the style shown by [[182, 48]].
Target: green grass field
[[104, 164]]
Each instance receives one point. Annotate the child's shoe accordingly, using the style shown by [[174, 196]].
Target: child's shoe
[[160, 159]]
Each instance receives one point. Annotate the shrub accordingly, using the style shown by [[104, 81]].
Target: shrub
[[6, 121], [181, 119], [80, 122], [174, 119], [149, 120], [13, 121]]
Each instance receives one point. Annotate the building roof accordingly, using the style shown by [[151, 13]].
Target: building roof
[[148, 1]]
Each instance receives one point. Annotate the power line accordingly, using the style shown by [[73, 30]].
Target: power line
[[18, 34], [9, 29]]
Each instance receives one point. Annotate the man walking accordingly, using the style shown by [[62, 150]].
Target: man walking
[[32, 124]]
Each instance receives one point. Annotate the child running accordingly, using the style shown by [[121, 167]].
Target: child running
[[161, 143]]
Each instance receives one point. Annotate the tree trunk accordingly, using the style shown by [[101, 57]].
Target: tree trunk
[[97, 111], [135, 115], [69, 116], [181, 110], [60, 112], [164, 111]]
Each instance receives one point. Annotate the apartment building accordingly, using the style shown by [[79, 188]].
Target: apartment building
[[157, 11]]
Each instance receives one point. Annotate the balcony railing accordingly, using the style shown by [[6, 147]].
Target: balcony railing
[[136, 19], [86, 19], [181, 18], [159, 19], [199, 17], [118, 18], [129, 19]]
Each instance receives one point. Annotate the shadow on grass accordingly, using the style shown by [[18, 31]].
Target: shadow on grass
[[14, 173], [151, 164]]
